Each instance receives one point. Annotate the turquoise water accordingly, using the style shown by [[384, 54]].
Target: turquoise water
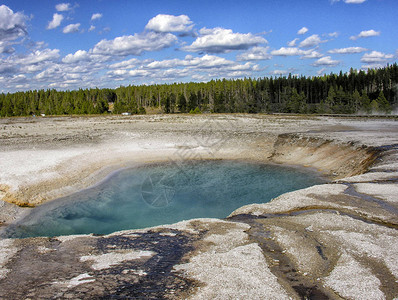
[[162, 194]]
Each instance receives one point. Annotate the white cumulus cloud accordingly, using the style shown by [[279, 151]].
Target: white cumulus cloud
[[256, 53], [365, 34], [63, 7], [12, 25], [79, 55], [6, 48], [96, 16], [293, 51], [311, 54], [220, 40], [39, 57], [56, 21], [302, 30], [71, 28], [326, 61], [287, 51], [376, 57], [204, 62], [348, 50], [311, 41], [135, 44], [33, 62], [170, 23]]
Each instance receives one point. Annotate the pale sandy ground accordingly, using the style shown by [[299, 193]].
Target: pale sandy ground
[[332, 241]]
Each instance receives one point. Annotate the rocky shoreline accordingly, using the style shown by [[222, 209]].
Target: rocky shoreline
[[331, 241]]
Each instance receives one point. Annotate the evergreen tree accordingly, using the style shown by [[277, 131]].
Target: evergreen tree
[[374, 106], [356, 101], [166, 104], [141, 111], [366, 103], [384, 106], [182, 103], [101, 106], [297, 102]]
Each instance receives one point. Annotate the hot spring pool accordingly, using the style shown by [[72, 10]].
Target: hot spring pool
[[162, 194]]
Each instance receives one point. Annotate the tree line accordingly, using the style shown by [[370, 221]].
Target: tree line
[[375, 90]]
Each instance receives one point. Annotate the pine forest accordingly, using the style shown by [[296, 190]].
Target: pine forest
[[355, 92]]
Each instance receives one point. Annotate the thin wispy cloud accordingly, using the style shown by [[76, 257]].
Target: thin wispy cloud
[[303, 30], [354, 1], [348, 50], [350, 1], [293, 43], [63, 7], [96, 16]]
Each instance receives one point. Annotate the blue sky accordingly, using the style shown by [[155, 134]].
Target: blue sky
[[107, 43]]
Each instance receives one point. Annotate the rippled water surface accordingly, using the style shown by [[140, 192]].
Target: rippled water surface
[[162, 194]]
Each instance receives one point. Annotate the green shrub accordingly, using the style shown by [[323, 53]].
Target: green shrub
[[195, 111], [141, 111]]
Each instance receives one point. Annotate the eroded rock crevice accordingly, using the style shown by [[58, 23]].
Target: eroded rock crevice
[[303, 254], [331, 241], [335, 159], [119, 266], [300, 284]]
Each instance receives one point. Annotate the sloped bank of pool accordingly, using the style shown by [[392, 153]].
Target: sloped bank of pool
[[163, 193]]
